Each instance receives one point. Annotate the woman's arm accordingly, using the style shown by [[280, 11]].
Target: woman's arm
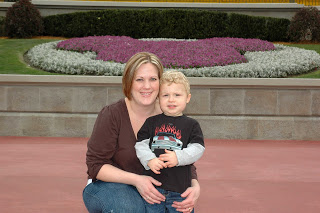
[[102, 146], [192, 195]]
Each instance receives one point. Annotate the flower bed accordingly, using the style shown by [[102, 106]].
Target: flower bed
[[229, 57], [173, 53]]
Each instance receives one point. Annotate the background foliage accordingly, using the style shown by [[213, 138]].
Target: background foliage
[[305, 23], [166, 23], [23, 20], [2, 26]]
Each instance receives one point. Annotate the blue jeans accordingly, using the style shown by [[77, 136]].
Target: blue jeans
[[106, 197], [165, 206]]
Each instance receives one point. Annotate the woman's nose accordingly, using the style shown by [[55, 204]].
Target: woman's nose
[[146, 84]]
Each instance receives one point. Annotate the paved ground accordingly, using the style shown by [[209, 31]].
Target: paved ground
[[39, 174]]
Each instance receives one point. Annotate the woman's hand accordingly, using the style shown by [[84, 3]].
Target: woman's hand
[[191, 194], [144, 185]]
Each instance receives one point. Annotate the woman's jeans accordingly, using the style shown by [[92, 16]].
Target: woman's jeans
[[106, 197], [165, 206]]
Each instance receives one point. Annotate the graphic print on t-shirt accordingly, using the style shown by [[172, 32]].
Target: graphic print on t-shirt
[[166, 137]]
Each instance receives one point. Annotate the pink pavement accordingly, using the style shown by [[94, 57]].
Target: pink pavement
[[45, 174]]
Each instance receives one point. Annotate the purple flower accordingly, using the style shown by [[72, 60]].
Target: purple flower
[[174, 54]]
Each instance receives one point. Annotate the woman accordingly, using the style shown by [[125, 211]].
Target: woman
[[115, 183]]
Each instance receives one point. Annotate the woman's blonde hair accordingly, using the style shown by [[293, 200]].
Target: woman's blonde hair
[[133, 65], [173, 76]]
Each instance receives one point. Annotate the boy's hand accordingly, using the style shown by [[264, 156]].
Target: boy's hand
[[170, 158], [156, 164]]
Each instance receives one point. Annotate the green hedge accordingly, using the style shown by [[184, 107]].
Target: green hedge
[[2, 18], [166, 23]]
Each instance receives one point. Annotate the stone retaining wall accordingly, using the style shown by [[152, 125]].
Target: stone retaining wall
[[67, 106]]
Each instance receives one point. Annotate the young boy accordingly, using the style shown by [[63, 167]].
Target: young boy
[[170, 142]]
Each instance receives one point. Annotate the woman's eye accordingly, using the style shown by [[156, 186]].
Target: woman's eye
[[139, 79]]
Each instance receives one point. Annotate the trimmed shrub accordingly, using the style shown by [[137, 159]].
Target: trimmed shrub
[[199, 24], [244, 26], [2, 26], [165, 23], [144, 23], [277, 29], [23, 20], [265, 28], [305, 25]]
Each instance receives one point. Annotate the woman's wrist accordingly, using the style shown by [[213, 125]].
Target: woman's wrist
[[195, 183], [133, 179], [196, 186], [110, 173]]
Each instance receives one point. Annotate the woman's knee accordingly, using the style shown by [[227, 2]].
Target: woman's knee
[[92, 203], [107, 197]]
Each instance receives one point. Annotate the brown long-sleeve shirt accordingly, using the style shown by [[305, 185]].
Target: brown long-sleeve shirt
[[112, 142]]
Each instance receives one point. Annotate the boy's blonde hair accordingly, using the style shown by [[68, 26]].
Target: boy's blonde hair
[[177, 77]]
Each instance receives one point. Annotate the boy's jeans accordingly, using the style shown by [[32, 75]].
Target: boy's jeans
[[166, 206]]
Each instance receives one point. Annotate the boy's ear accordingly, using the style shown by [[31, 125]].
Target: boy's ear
[[188, 98]]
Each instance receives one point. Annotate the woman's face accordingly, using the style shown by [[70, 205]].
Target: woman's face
[[145, 85]]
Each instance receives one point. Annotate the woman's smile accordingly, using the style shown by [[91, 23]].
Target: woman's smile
[[147, 94]]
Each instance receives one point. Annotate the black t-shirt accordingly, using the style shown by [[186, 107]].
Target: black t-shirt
[[171, 133]]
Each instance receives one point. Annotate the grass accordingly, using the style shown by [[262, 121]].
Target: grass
[[11, 56], [12, 50], [315, 74]]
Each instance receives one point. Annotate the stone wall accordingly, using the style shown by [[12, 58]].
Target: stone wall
[[67, 106]]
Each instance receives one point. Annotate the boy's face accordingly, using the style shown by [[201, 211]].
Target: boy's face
[[173, 99]]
